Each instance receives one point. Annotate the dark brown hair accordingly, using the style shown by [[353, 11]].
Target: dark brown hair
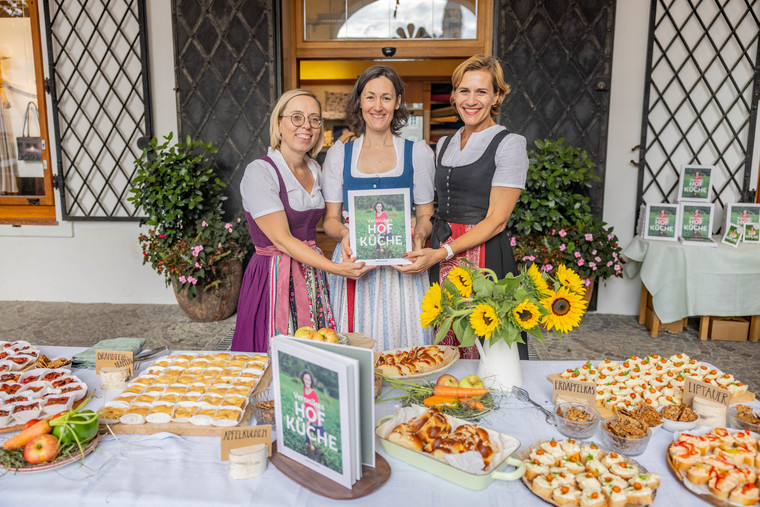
[[354, 102]]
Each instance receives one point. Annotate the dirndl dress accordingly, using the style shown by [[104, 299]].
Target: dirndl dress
[[279, 294], [384, 304]]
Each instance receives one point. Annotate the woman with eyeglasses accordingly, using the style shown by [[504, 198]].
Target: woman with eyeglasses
[[285, 284], [383, 304]]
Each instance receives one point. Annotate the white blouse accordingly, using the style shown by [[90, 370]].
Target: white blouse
[[422, 158], [260, 187], [511, 155]]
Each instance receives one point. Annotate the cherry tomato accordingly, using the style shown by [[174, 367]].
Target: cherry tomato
[[31, 423]]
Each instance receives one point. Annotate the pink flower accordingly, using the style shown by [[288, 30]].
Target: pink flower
[[219, 246], [587, 282], [589, 237], [581, 262], [197, 265], [238, 220], [529, 258], [547, 267], [204, 224], [513, 242], [593, 252], [610, 236], [577, 254], [592, 265], [197, 249], [562, 233], [161, 236], [609, 264], [562, 247], [182, 279], [554, 231], [228, 226], [598, 259], [192, 280]]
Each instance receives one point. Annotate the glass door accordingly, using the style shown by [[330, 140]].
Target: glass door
[[26, 186]]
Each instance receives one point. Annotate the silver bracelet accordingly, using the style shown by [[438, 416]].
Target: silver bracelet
[[449, 250]]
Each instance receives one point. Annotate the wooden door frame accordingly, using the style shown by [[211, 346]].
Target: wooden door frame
[[18, 210], [295, 48]]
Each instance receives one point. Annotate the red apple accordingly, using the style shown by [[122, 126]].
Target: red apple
[[307, 332], [327, 335], [41, 449], [447, 380], [472, 382]]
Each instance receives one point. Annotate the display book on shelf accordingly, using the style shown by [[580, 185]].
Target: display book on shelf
[[324, 406]]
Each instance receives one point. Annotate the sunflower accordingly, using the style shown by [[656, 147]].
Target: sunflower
[[570, 279], [526, 314], [484, 320], [462, 280], [431, 305], [538, 280], [566, 309]]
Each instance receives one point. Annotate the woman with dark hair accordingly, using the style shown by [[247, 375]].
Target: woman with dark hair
[[378, 159], [285, 285], [480, 172]]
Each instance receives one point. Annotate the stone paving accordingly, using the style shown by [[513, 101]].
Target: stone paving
[[600, 336]]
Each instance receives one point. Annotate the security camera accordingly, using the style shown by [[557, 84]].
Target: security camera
[[389, 51]]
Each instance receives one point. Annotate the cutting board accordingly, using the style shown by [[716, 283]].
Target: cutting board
[[188, 428]]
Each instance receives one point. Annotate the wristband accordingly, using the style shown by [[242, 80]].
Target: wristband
[[449, 250]]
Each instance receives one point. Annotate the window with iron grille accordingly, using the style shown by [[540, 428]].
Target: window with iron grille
[[101, 102], [700, 104]]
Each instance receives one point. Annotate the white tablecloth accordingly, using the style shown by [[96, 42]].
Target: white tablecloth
[[166, 469]]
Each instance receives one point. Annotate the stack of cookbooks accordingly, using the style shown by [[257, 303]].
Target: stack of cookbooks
[[324, 406]]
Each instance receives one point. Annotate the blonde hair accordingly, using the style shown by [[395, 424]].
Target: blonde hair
[[492, 66], [275, 137]]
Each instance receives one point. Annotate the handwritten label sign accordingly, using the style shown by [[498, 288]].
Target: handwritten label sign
[[114, 359], [234, 438], [698, 389], [574, 390]]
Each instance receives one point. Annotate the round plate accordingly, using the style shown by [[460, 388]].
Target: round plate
[[57, 463], [450, 356], [525, 454], [700, 490]]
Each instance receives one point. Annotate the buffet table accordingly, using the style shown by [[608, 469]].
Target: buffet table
[[166, 469]]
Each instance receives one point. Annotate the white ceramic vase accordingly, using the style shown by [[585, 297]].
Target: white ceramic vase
[[499, 365]]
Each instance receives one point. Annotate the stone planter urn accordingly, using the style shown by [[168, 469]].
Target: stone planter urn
[[213, 305]]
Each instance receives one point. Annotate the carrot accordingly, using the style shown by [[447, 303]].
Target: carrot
[[27, 435], [474, 404], [458, 392], [441, 401]]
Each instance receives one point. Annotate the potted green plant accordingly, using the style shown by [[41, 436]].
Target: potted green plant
[[553, 224], [189, 241]]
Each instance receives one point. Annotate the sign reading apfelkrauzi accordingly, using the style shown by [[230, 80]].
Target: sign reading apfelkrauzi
[[114, 359], [235, 438], [574, 390], [698, 389]]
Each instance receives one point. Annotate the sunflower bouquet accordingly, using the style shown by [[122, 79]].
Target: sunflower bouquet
[[475, 304]]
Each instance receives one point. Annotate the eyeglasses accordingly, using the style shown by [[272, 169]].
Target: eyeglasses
[[298, 119]]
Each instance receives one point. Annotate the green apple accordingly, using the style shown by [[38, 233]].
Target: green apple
[[307, 332], [447, 380], [472, 382]]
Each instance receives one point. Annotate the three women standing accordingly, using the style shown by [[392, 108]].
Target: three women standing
[[285, 285], [384, 303]]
